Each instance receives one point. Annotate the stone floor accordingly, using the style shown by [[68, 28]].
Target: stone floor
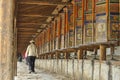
[[23, 74]]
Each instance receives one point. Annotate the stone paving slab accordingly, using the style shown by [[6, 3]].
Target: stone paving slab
[[23, 74]]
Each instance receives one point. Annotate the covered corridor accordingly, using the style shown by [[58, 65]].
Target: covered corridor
[[79, 39]]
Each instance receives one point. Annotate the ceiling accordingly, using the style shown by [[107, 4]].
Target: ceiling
[[33, 16]]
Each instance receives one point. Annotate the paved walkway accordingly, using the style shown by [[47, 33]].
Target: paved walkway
[[23, 74]]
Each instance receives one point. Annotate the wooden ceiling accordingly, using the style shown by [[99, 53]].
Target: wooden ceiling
[[32, 15]]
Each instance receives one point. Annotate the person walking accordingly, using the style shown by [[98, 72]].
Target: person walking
[[31, 54]]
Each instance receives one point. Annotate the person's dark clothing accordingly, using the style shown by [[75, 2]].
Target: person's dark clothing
[[31, 61], [19, 56]]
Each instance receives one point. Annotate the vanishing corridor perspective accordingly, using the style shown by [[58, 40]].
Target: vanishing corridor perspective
[[74, 39]]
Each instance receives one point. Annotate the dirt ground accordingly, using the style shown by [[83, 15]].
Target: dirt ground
[[23, 74]]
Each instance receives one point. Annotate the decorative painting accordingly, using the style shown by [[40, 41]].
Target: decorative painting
[[50, 45], [77, 0], [114, 31], [88, 17], [88, 29], [71, 38], [62, 41], [79, 22], [100, 1], [89, 4], [57, 43], [114, 7], [101, 8], [56, 28], [70, 17], [78, 35], [101, 19], [47, 47], [88, 40], [78, 32], [101, 32], [114, 18], [66, 40], [79, 10], [63, 23], [114, 1], [88, 32]]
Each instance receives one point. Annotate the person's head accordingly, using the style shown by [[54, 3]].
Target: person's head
[[32, 41]]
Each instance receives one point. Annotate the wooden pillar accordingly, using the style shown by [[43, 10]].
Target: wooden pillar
[[15, 52], [80, 54], [6, 39], [112, 52], [95, 53], [83, 4], [66, 55], [102, 52], [93, 19]]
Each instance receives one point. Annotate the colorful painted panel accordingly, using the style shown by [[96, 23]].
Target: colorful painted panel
[[77, 0], [101, 19], [62, 41], [71, 38], [57, 43], [70, 17], [114, 7], [114, 1], [51, 45], [66, 40], [79, 10], [78, 22], [101, 28], [78, 32], [78, 35], [88, 17], [101, 8], [56, 29], [88, 32], [114, 18], [47, 47], [101, 32], [114, 31], [63, 23], [100, 1], [89, 4]]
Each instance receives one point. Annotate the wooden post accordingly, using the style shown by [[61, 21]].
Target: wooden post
[[6, 40], [108, 21], [112, 52], [66, 27], [74, 18], [93, 19], [80, 54], [102, 52], [83, 3], [95, 53], [65, 55], [59, 32]]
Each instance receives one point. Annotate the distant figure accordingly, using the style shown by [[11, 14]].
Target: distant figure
[[19, 57], [31, 54]]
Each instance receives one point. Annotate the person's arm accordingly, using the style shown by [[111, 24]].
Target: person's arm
[[26, 54]]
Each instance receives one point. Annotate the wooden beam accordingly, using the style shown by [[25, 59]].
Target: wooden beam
[[44, 3], [102, 52], [23, 33], [35, 15], [30, 28], [21, 23]]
